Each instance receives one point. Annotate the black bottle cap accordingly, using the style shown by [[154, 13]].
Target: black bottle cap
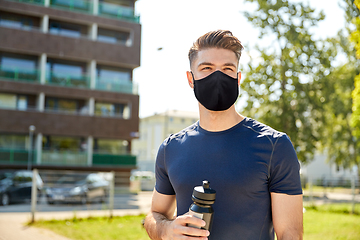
[[204, 194]]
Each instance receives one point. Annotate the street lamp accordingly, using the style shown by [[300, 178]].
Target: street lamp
[[31, 132]]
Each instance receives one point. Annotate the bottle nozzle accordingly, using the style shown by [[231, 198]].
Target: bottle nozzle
[[206, 184]]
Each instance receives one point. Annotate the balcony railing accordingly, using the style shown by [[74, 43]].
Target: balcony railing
[[73, 5], [127, 87], [16, 156], [68, 80], [40, 2], [84, 6], [64, 158], [119, 12], [18, 74], [113, 159]]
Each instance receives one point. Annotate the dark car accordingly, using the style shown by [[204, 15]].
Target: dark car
[[15, 186], [78, 188]]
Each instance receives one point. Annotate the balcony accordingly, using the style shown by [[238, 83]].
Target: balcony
[[68, 80], [19, 74], [105, 9], [119, 12], [65, 158], [116, 86], [16, 156], [73, 5]]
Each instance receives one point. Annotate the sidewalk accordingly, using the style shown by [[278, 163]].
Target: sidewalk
[[13, 225]]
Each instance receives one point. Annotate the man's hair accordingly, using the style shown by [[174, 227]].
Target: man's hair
[[216, 39]]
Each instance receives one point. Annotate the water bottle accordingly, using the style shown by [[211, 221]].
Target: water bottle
[[203, 198]]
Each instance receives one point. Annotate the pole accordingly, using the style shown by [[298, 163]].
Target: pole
[[31, 132], [33, 195], [353, 194], [111, 194]]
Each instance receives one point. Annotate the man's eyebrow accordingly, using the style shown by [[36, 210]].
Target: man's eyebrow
[[205, 63], [211, 64]]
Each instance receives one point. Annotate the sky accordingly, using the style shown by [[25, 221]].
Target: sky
[[173, 26]]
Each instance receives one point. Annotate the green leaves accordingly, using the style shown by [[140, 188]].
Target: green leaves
[[298, 86]]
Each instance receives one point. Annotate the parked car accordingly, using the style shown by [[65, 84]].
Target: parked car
[[78, 188], [15, 186]]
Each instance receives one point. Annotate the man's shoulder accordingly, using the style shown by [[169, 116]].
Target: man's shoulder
[[262, 130], [181, 135]]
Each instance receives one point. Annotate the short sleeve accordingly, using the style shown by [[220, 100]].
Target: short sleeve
[[284, 168], [163, 184]]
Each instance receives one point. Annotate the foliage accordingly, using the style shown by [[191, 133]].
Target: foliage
[[355, 37], [286, 87]]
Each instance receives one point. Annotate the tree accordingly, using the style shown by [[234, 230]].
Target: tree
[[286, 88], [355, 118]]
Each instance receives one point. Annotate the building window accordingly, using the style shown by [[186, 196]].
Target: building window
[[107, 146], [111, 36], [7, 101], [120, 9], [18, 67], [66, 73], [13, 141], [64, 105], [77, 5], [112, 110], [114, 79], [67, 29], [19, 102], [13, 20]]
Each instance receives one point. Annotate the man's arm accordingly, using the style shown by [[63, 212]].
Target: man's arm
[[287, 214], [160, 223]]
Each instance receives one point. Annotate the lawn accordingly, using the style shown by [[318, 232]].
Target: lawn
[[326, 222]]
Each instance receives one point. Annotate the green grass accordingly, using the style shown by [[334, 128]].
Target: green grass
[[95, 228], [326, 222], [331, 222]]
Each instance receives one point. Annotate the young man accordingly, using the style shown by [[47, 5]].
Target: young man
[[252, 167]]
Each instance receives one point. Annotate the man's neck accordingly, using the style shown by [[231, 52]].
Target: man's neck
[[214, 121]]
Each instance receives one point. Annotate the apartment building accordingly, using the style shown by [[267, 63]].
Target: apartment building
[[66, 70], [153, 131]]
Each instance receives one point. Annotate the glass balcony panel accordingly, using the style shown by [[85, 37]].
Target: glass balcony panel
[[64, 157], [117, 11], [16, 156], [40, 2], [66, 75], [18, 21], [73, 5], [113, 159], [18, 74]]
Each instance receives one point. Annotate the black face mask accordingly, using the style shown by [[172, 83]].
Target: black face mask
[[216, 92]]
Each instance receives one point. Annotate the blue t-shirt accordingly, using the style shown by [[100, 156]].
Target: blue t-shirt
[[243, 164]]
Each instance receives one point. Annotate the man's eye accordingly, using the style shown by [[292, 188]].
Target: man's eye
[[205, 68]]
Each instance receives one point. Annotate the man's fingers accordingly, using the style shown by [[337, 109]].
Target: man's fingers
[[188, 219], [183, 228]]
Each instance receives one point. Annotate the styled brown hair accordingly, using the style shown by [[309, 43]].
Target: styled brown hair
[[216, 39]]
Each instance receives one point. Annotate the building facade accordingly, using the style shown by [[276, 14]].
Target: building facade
[[153, 131], [66, 68]]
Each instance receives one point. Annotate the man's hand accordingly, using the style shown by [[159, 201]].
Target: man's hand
[[161, 224], [179, 229]]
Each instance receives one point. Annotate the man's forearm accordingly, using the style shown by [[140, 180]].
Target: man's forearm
[[155, 225]]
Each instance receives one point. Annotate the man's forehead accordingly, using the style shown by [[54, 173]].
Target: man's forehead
[[216, 56]]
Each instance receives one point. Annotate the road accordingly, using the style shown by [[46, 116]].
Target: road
[[121, 201]]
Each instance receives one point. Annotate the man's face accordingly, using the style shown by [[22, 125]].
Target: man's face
[[214, 59]]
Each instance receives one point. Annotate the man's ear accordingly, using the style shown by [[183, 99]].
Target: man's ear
[[239, 77], [190, 79]]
